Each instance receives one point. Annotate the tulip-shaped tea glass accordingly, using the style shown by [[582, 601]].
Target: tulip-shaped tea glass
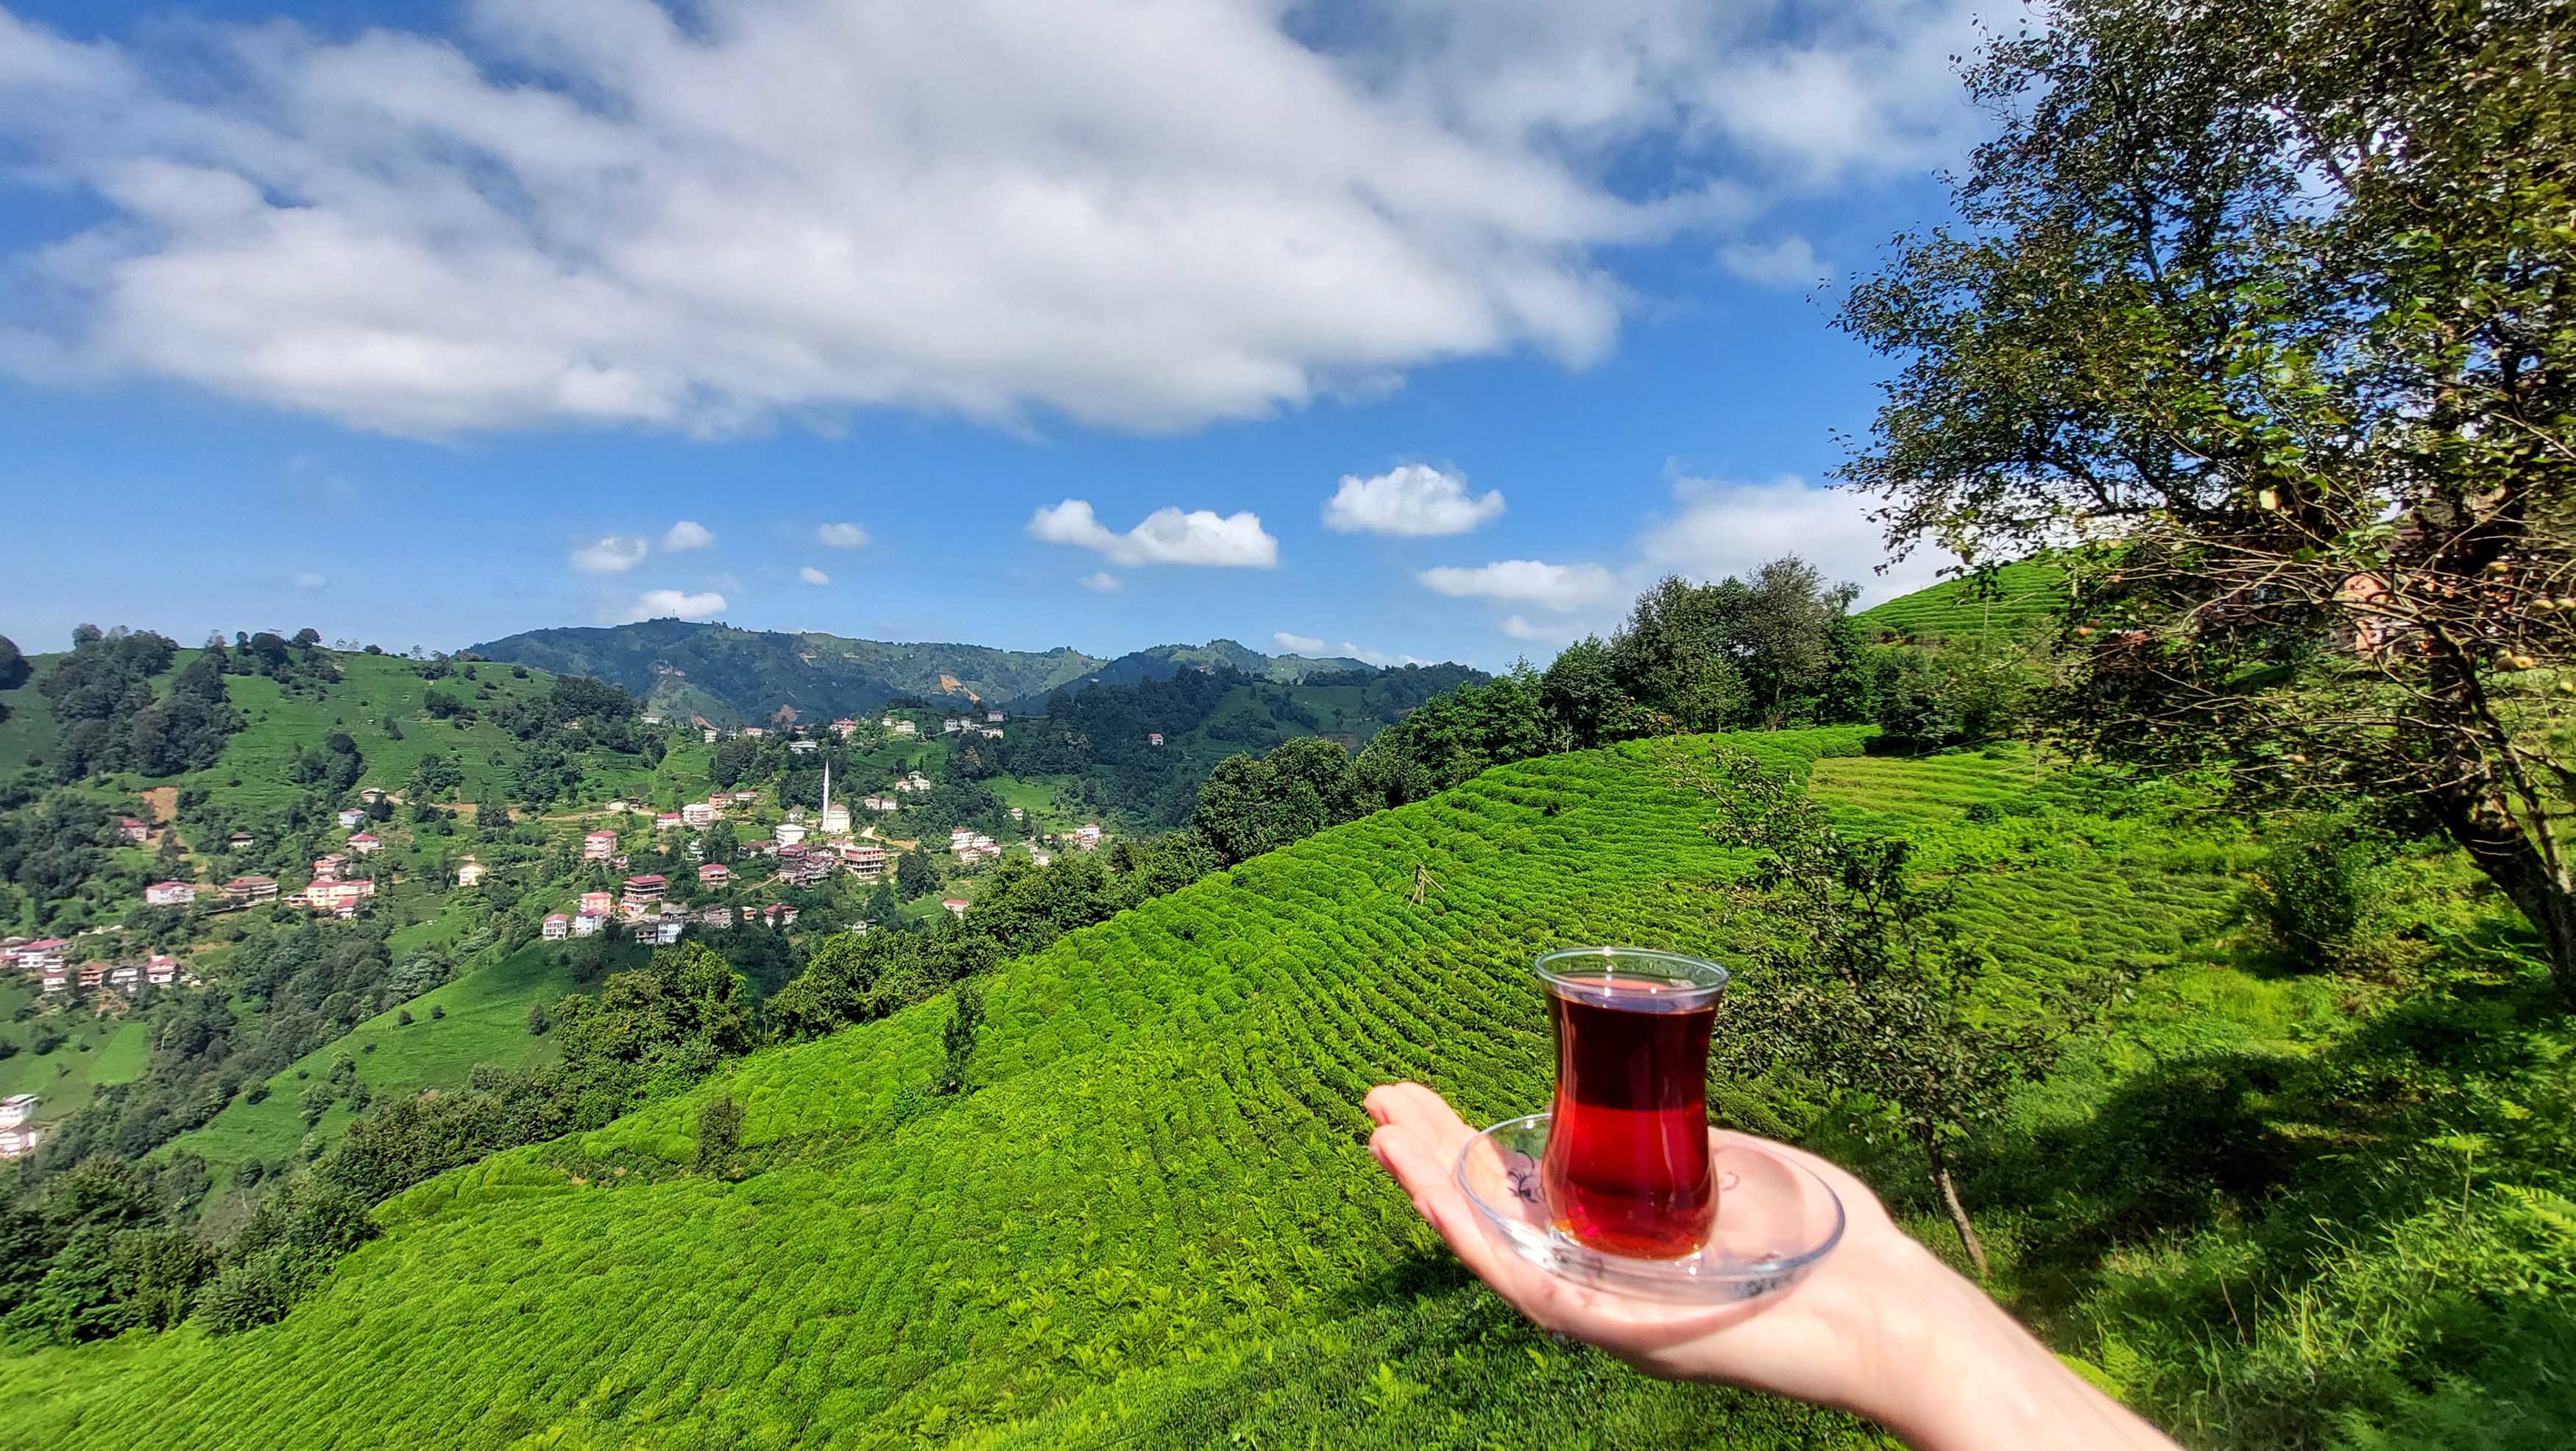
[[1627, 1164], [1618, 1186]]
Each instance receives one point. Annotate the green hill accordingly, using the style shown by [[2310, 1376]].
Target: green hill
[[2022, 594], [1153, 1223]]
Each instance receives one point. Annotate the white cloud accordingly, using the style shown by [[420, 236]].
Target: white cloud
[[656, 604], [841, 536], [1551, 632], [1297, 644], [594, 212], [1527, 581], [811, 575], [610, 554], [308, 581], [1367, 656], [1102, 583], [1167, 536], [1719, 528], [1412, 499], [1789, 262], [686, 535]]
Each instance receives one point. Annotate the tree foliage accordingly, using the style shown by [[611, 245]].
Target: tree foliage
[[2264, 308]]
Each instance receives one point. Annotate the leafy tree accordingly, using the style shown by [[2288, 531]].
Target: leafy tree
[[14, 669], [719, 1135], [914, 876], [2265, 307], [957, 1039], [1866, 987]]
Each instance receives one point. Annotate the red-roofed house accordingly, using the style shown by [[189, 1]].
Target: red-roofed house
[[134, 831], [666, 821], [162, 970], [170, 894], [643, 891], [558, 927], [243, 891], [598, 904], [366, 843], [599, 846], [43, 953], [956, 905], [714, 874]]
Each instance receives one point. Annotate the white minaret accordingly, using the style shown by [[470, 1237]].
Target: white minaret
[[836, 819]]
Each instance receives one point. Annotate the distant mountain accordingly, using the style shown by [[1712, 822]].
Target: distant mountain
[[725, 674], [1162, 662]]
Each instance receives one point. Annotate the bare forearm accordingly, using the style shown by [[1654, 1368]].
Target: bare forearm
[[1970, 1378]]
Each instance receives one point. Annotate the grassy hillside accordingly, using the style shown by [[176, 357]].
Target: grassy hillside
[[482, 1017], [2024, 594], [1152, 1225], [28, 734], [95, 1051]]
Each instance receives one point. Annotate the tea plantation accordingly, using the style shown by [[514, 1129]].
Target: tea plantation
[[1152, 1222]]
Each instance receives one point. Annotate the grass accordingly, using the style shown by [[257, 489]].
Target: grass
[[486, 1022], [97, 1051], [2026, 595], [28, 734], [2271, 1207], [1152, 1224]]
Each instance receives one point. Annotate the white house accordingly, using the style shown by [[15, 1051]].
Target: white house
[[350, 816], [698, 813], [906, 728], [366, 843], [587, 924], [558, 927], [789, 833], [161, 970], [599, 846], [16, 1109], [994, 717], [470, 874], [170, 894], [804, 747]]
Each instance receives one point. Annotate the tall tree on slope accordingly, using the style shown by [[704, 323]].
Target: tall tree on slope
[[2266, 311]]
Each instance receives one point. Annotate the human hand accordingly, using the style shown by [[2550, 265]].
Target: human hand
[[1879, 1326]]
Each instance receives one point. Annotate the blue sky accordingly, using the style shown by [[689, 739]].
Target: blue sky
[[425, 323]]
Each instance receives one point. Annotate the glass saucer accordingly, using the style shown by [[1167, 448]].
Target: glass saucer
[[1775, 1220]]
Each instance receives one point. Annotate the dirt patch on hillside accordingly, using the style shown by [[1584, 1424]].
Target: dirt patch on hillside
[[162, 802]]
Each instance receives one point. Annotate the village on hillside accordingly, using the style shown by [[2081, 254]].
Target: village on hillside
[[727, 859]]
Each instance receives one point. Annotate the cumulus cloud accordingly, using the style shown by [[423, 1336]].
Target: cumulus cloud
[[686, 535], [811, 575], [1527, 581], [1412, 499], [1789, 262], [610, 554], [1167, 536], [600, 212], [1100, 584], [1367, 656], [1297, 644], [657, 604], [308, 581], [841, 536], [1549, 632], [1721, 527]]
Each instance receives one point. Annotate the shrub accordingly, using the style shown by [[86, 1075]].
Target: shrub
[[2319, 889]]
